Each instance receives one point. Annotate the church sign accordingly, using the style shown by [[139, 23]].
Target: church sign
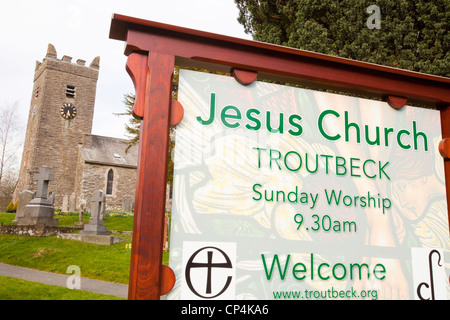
[[288, 193], [281, 192]]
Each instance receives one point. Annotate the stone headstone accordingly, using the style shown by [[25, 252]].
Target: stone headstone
[[73, 202], [39, 211], [95, 225], [24, 198], [51, 198], [65, 203], [128, 205], [43, 178]]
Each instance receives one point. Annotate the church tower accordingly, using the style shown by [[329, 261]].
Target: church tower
[[61, 113]]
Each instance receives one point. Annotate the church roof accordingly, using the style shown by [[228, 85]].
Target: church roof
[[108, 151]]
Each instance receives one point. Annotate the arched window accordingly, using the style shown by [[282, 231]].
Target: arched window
[[109, 182]]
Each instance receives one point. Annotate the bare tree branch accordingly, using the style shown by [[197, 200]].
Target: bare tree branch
[[9, 139]]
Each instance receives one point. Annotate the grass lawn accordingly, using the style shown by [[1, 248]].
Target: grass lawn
[[17, 289], [108, 263]]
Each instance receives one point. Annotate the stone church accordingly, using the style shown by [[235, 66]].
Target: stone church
[[58, 136]]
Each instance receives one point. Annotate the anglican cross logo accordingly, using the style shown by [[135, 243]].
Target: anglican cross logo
[[209, 271]]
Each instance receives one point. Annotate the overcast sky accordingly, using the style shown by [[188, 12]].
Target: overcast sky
[[80, 29]]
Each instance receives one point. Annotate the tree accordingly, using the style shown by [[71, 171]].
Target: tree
[[133, 126], [9, 142], [413, 35], [9, 146]]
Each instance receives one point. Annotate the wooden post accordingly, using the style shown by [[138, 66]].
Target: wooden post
[[444, 149], [147, 275]]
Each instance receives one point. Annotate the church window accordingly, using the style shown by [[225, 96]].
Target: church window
[[109, 182], [70, 91]]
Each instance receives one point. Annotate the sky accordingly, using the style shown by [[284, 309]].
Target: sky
[[80, 29]]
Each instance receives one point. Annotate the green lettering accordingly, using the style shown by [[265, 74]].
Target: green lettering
[[377, 139], [381, 169], [342, 165], [236, 114], [280, 125], [299, 161], [364, 169], [399, 140], [350, 125], [357, 265], [296, 125], [302, 270], [386, 135], [332, 196], [423, 135], [354, 167], [379, 268], [276, 159], [317, 163], [334, 271], [275, 259], [320, 124], [318, 271], [256, 191], [211, 112], [257, 125], [326, 156], [259, 155]]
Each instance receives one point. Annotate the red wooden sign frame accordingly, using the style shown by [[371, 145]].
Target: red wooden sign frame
[[153, 49]]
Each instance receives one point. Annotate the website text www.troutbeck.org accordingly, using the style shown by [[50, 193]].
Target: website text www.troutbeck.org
[[326, 294]]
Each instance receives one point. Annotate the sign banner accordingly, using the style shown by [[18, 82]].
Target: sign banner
[[287, 193]]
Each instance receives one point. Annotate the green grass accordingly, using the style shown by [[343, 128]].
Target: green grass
[[6, 217], [108, 263], [17, 289]]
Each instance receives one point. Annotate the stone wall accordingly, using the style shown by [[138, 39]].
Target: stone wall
[[94, 177], [35, 231]]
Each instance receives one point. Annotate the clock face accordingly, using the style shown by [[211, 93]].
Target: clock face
[[68, 111]]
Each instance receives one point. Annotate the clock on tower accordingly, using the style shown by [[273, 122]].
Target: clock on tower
[[68, 111]]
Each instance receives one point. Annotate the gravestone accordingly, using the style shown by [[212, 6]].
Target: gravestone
[[95, 225], [39, 211], [65, 203], [80, 222], [51, 198], [24, 198], [73, 202], [128, 205], [95, 231]]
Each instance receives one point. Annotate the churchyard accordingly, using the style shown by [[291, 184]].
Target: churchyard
[[53, 254], [98, 242]]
